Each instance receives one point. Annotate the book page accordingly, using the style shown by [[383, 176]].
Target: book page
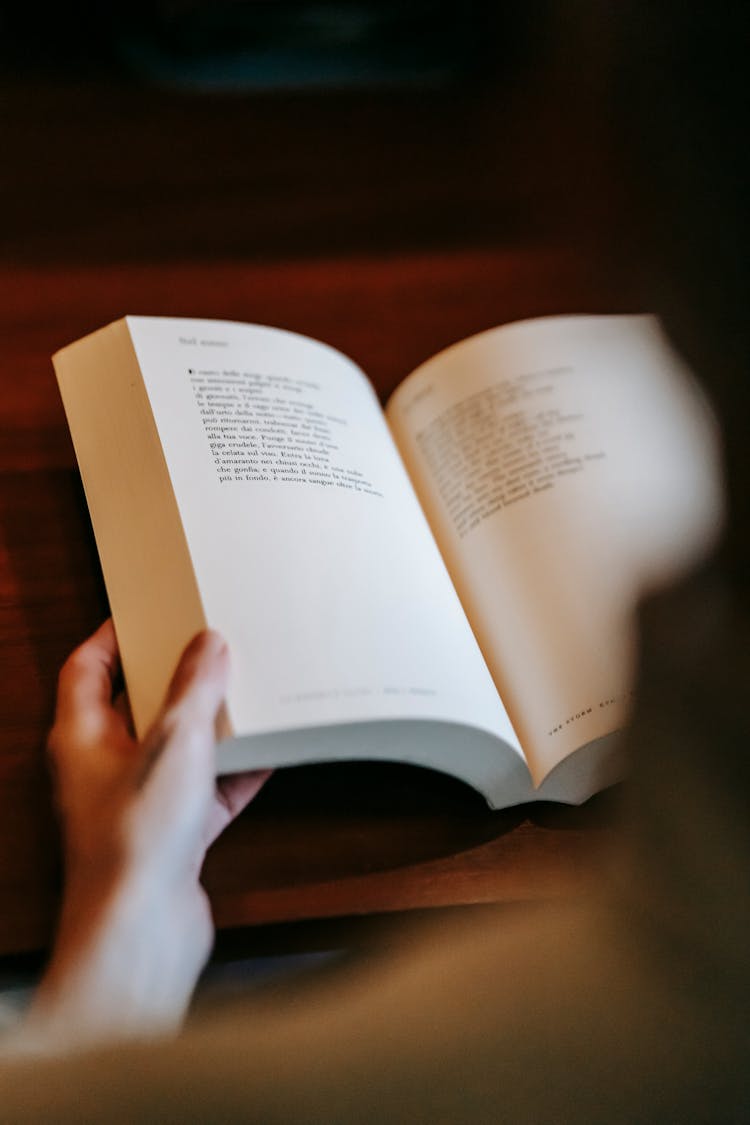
[[566, 465], [310, 550]]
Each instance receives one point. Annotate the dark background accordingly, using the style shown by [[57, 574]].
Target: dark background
[[174, 131]]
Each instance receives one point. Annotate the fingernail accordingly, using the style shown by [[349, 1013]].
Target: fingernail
[[214, 644]]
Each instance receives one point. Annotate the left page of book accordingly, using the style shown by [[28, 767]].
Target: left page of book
[[310, 551]]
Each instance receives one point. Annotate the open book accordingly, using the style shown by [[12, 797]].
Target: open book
[[448, 583]]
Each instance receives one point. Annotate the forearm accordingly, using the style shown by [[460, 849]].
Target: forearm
[[125, 964]]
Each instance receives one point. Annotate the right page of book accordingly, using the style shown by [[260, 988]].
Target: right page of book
[[566, 465]]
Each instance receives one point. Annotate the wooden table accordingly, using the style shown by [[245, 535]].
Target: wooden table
[[320, 842]]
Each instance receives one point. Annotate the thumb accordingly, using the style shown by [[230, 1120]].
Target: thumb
[[176, 781], [185, 728], [200, 679]]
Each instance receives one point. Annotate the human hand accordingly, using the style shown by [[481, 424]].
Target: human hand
[[137, 818]]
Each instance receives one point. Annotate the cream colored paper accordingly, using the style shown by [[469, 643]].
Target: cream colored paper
[[565, 465], [333, 595]]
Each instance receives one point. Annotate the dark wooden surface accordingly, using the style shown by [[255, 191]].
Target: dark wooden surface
[[389, 228]]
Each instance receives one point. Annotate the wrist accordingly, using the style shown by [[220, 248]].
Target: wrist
[[125, 962]]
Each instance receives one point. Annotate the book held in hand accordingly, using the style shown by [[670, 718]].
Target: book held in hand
[[449, 582]]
